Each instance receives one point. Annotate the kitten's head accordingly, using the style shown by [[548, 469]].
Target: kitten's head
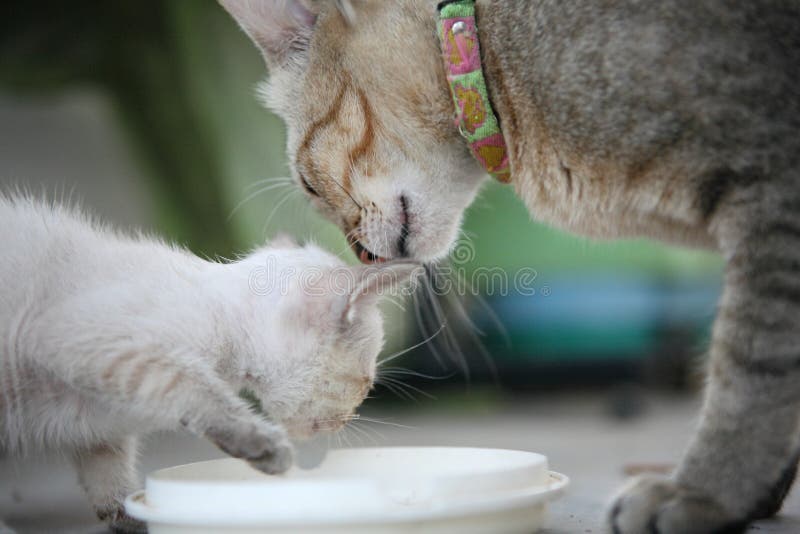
[[371, 134], [312, 332]]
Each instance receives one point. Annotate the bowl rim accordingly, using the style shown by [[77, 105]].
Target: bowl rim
[[157, 476], [460, 506], [137, 507]]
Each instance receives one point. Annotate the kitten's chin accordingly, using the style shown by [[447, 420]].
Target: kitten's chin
[[297, 433], [305, 430]]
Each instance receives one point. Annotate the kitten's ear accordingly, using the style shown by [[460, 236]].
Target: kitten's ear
[[376, 281], [279, 28]]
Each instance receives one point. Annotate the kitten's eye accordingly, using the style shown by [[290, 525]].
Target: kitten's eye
[[307, 187]]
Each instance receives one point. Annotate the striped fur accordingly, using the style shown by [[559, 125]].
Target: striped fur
[[676, 120], [105, 337]]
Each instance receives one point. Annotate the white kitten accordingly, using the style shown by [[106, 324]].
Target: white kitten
[[105, 337]]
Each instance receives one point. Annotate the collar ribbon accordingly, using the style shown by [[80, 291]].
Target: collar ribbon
[[475, 117]]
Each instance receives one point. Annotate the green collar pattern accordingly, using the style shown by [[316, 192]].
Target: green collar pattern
[[476, 118]]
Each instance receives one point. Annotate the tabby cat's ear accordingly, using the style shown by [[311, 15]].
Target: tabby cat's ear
[[279, 28]]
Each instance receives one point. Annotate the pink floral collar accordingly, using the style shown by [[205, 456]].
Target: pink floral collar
[[476, 118]]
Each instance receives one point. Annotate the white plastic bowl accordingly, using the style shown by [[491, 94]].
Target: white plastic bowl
[[375, 490]]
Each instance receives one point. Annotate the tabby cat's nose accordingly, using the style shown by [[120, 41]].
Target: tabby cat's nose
[[402, 241]]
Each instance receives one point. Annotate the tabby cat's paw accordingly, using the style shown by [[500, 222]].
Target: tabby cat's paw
[[265, 446], [655, 505]]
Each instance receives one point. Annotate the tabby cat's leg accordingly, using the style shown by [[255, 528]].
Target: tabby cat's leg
[[742, 461], [107, 473], [4, 529]]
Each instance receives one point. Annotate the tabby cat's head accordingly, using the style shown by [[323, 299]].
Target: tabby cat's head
[[371, 135]]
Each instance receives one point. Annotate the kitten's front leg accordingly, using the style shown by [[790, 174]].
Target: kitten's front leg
[[228, 422], [107, 473], [165, 391], [264, 445], [205, 405]]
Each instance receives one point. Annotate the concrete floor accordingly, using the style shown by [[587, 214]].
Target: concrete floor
[[575, 432]]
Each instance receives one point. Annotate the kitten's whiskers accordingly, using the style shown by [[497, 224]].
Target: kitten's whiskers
[[409, 349], [390, 383]]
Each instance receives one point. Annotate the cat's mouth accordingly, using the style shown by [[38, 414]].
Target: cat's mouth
[[368, 257], [365, 255]]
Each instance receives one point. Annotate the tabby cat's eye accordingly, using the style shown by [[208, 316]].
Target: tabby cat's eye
[[307, 187]]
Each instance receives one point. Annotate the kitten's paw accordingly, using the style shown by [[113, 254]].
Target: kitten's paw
[[265, 446], [655, 505], [275, 461], [5, 529]]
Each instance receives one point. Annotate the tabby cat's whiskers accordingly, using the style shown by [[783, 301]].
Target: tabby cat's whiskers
[[286, 197], [257, 193]]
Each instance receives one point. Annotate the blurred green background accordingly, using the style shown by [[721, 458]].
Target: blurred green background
[[146, 111]]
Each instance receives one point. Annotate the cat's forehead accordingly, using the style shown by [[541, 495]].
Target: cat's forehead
[[372, 52]]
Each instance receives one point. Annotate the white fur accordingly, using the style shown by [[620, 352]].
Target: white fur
[[103, 337]]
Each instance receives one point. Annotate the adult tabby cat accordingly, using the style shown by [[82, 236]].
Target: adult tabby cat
[[677, 120], [104, 338]]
